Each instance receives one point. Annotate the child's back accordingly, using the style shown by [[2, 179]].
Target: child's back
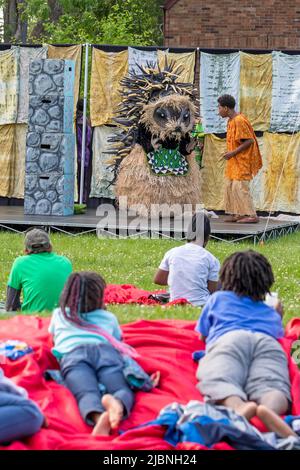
[[226, 311], [190, 270], [67, 335]]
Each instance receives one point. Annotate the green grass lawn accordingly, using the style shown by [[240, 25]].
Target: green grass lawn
[[135, 262]]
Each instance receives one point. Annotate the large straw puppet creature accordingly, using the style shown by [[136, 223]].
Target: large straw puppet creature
[[155, 164]]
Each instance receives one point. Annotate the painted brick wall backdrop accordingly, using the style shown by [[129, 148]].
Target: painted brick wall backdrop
[[267, 24]]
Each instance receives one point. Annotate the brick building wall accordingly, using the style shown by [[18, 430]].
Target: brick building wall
[[254, 24]]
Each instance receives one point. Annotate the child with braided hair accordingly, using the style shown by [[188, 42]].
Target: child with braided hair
[[245, 367], [88, 344]]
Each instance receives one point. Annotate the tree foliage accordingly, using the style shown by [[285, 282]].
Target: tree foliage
[[124, 22]]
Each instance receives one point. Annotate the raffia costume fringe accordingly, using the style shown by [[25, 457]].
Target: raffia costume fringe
[[141, 187]]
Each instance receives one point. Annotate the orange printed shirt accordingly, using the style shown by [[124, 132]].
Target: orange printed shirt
[[246, 164]]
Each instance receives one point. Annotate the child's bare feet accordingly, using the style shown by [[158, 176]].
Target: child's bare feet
[[155, 377], [115, 409], [273, 422], [247, 409], [102, 427]]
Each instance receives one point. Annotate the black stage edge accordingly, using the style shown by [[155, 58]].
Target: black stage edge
[[111, 223]]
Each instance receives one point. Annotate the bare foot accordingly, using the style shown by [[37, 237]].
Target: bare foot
[[155, 378], [273, 422], [234, 218], [248, 220], [115, 409], [102, 427], [248, 410]]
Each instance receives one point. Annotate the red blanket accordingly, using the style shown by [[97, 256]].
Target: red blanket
[[164, 345], [128, 294]]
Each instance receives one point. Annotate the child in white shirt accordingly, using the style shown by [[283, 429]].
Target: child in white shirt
[[191, 271]]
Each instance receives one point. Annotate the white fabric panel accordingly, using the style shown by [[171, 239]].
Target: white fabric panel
[[26, 55], [102, 174], [285, 113], [219, 75], [135, 56]]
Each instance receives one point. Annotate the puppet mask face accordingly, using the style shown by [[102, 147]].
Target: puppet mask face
[[170, 117]]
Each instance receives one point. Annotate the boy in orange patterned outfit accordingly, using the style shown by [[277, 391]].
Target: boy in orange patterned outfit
[[243, 161]]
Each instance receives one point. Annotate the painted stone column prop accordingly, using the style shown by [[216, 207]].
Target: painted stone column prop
[[50, 145]]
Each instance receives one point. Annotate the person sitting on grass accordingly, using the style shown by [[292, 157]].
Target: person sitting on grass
[[190, 270], [19, 416], [245, 367], [87, 343], [40, 274]]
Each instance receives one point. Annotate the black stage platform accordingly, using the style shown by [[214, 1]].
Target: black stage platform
[[107, 222]]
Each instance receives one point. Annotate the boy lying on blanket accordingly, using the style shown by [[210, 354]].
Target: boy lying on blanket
[[245, 367]]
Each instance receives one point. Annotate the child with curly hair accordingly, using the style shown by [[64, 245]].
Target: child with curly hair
[[245, 367]]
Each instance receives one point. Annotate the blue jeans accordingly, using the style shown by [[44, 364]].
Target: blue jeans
[[90, 365], [19, 417]]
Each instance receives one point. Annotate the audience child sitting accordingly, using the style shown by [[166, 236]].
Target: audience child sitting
[[245, 367], [190, 270], [19, 416], [88, 344]]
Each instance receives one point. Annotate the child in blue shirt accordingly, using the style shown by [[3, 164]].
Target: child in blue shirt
[[245, 367], [88, 344]]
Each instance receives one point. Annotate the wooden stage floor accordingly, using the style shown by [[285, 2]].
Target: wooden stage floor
[[111, 223]]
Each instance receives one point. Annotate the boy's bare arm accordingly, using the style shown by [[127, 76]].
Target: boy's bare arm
[[246, 143], [161, 277], [13, 302], [279, 308], [212, 286], [202, 338]]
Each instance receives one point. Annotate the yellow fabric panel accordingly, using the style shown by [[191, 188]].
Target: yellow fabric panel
[[256, 89], [274, 148], [71, 53], [212, 175], [7, 152], [283, 158], [108, 68], [18, 166], [185, 60], [9, 86], [12, 160]]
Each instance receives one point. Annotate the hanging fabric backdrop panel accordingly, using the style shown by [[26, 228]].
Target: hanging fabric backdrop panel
[[266, 87], [281, 163], [108, 68], [14, 81], [267, 90], [219, 74]]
